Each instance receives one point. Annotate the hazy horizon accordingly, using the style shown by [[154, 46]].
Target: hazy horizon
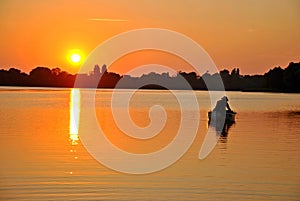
[[155, 69]]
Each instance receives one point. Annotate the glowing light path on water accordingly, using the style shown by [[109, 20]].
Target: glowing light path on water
[[74, 113]]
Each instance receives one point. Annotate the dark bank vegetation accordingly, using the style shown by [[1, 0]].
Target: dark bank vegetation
[[275, 80]]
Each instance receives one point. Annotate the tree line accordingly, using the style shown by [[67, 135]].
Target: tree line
[[275, 80]]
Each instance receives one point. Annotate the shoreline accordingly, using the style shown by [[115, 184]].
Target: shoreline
[[251, 90]]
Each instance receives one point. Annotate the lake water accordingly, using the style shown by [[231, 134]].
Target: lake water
[[42, 157]]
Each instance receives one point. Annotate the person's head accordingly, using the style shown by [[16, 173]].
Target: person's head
[[225, 98]]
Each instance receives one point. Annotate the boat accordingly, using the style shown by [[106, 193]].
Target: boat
[[213, 116]]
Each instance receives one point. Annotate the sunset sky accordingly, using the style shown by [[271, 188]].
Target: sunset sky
[[254, 35]]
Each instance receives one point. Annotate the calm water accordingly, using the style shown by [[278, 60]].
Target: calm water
[[42, 158]]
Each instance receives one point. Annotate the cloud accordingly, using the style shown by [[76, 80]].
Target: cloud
[[108, 20]]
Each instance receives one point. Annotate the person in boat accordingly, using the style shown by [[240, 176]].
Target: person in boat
[[223, 106]]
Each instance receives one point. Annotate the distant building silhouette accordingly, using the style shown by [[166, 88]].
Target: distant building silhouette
[[96, 70], [104, 69]]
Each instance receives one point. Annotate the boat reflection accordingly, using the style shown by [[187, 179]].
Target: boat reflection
[[222, 130]]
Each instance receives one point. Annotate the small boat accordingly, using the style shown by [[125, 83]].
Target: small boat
[[230, 116]]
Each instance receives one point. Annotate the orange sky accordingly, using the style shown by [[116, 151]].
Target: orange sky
[[253, 35]]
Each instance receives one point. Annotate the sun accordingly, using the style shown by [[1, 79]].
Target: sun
[[75, 58]]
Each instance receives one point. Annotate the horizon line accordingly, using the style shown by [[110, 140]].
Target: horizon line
[[159, 73]]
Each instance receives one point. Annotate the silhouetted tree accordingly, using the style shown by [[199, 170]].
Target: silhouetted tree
[[291, 77], [276, 79], [41, 77]]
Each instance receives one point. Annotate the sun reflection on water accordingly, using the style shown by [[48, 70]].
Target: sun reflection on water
[[74, 113], [74, 120]]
